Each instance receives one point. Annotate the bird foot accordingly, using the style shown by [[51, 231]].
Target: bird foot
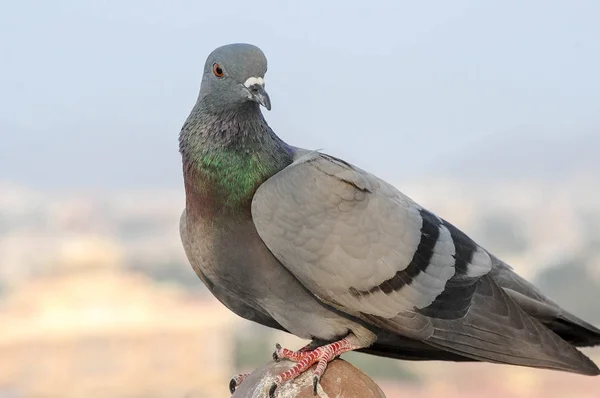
[[305, 359], [236, 381]]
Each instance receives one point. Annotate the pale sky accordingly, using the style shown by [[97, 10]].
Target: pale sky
[[93, 93]]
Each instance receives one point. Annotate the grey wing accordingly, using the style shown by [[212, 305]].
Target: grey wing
[[360, 245], [354, 240]]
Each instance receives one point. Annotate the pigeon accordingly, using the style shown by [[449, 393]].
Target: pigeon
[[304, 242]]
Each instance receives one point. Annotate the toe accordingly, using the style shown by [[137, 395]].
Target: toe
[[272, 390], [236, 381]]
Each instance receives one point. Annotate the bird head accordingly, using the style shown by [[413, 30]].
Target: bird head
[[234, 76]]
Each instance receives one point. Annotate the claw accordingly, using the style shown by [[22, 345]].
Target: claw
[[276, 356], [236, 381], [315, 384], [272, 390]]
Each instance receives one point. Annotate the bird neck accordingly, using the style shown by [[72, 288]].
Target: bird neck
[[227, 155]]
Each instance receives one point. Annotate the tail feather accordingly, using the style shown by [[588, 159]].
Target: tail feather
[[574, 330], [570, 328]]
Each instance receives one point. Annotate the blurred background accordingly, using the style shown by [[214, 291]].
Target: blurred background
[[487, 113]]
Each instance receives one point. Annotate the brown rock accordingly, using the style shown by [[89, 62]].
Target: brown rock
[[341, 380]]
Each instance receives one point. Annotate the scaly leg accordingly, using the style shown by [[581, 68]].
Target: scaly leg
[[321, 355]]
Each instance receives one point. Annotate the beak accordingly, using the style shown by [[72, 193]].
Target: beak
[[258, 94]]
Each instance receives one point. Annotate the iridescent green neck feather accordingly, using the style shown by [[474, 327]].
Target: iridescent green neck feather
[[227, 155]]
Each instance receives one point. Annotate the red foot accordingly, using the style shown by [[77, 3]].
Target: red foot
[[236, 381], [305, 359]]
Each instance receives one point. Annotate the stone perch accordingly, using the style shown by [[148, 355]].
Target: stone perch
[[341, 380]]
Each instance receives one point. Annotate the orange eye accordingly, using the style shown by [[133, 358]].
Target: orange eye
[[217, 70]]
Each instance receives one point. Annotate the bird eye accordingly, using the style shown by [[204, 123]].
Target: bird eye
[[217, 70]]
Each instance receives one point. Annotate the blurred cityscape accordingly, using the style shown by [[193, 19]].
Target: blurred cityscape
[[97, 298]]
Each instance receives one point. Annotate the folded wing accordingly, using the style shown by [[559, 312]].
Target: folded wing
[[360, 245]]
